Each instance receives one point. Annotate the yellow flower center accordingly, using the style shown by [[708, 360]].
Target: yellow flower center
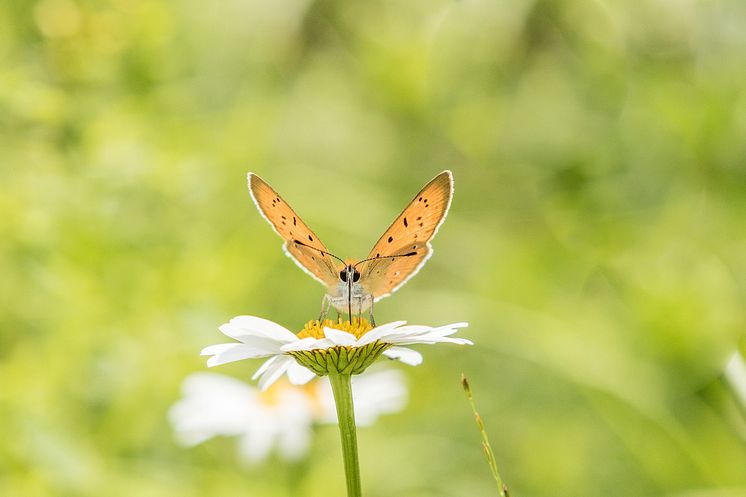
[[315, 328], [273, 396], [340, 359]]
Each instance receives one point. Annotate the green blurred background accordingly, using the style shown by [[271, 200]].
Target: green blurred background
[[595, 243]]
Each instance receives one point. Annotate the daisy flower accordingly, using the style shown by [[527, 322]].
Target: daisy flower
[[323, 347], [280, 418]]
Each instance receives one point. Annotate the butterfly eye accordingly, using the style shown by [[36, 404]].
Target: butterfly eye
[[343, 275], [355, 276]]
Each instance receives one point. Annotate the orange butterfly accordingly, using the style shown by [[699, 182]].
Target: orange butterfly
[[397, 256]]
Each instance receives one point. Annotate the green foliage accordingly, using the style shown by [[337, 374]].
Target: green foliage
[[595, 243]]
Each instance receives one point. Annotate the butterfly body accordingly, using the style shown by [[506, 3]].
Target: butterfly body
[[401, 251], [342, 296]]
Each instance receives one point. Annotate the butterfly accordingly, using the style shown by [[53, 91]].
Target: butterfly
[[354, 286]]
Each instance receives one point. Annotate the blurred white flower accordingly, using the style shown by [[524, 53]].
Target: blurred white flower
[[735, 374], [373, 394], [323, 347], [280, 417]]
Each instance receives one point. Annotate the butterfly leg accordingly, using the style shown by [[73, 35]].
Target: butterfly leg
[[325, 305], [359, 310], [372, 320]]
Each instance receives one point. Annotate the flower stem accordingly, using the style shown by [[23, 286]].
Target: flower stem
[[342, 388]]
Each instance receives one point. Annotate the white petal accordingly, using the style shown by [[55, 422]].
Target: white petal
[[255, 446], [447, 330], [395, 335], [429, 340], [265, 365], [294, 441], [294, 417], [407, 335], [214, 384], [376, 393], [325, 396], [308, 343], [217, 349], [339, 337], [299, 375], [377, 332], [237, 352], [270, 345], [212, 405], [274, 371], [192, 437], [405, 355], [254, 326], [256, 347], [453, 327], [286, 424]]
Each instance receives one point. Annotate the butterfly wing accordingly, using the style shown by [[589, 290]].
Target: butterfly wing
[[410, 233], [301, 244]]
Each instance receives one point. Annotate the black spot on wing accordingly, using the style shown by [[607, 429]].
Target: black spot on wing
[[406, 224]]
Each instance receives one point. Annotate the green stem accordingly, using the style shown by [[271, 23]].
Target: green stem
[[342, 388], [486, 447]]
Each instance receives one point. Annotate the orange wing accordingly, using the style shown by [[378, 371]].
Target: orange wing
[[410, 233], [301, 244]]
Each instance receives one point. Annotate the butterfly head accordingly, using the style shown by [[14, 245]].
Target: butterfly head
[[349, 273]]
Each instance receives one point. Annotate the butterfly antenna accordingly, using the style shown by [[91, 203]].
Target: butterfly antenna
[[349, 276], [322, 252], [408, 254]]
